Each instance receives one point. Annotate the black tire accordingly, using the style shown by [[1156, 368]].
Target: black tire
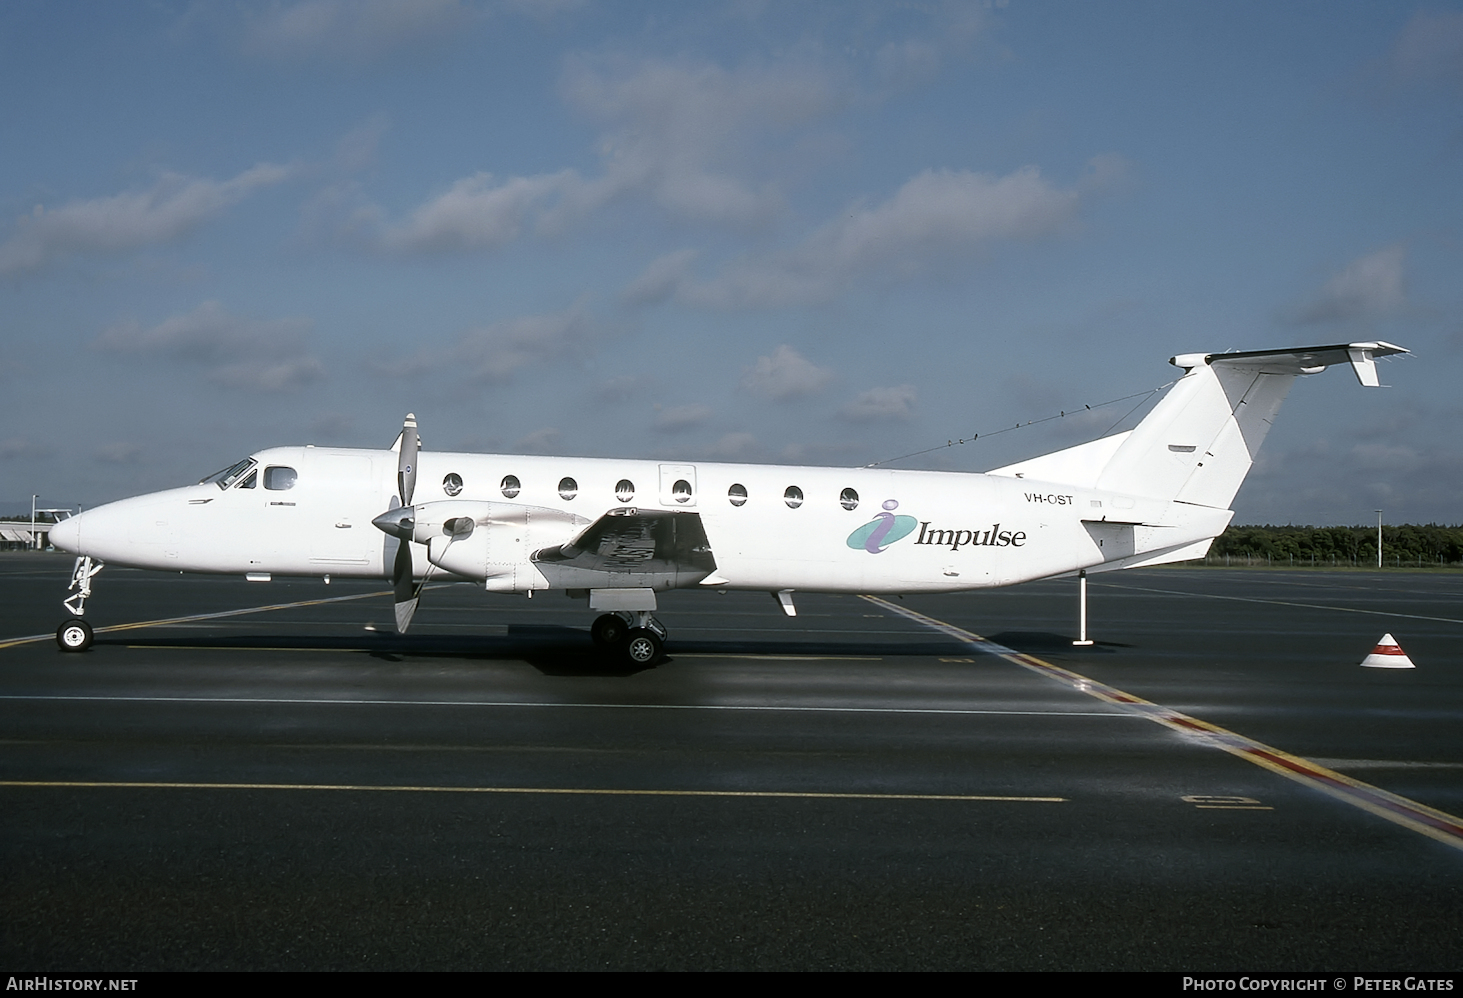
[[642, 647], [609, 631], [74, 635]]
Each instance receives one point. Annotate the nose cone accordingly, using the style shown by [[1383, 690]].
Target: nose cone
[[398, 522], [66, 535]]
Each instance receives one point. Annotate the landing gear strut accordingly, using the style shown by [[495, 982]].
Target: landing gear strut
[[634, 636], [76, 635]]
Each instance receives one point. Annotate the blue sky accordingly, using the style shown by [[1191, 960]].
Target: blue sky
[[789, 232]]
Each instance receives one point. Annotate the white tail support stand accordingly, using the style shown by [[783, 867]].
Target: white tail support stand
[[1082, 641], [81, 575]]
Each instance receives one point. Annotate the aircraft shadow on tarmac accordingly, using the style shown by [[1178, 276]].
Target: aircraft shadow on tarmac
[[552, 650]]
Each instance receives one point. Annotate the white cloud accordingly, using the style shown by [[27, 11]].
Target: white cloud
[[786, 374], [267, 355], [356, 150], [119, 452], [734, 447], [881, 403], [681, 132], [477, 213], [622, 389], [1368, 286], [681, 417], [493, 353], [541, 440], [659, 280], [1430, 46], [932, 216], [352, 29], [170, 209], [1387, 457], [915, 60], [19, 448]]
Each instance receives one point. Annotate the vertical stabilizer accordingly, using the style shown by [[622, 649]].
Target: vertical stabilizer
[[1199, 442]]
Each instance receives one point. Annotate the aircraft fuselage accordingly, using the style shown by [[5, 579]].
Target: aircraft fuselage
[[768, 527]]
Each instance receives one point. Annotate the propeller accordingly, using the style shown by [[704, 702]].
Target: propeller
[[400, 523]]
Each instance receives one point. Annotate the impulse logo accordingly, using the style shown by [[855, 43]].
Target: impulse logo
[[882, 530]]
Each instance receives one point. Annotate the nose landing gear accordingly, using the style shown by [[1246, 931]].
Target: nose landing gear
[[76, 635]]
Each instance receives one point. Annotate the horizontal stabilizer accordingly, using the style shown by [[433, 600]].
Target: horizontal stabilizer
[[1301, 360]]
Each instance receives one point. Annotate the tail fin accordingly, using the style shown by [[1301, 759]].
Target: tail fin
[[1199, 442]]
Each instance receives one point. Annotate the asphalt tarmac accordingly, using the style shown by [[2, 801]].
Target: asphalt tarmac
[[896, 784]]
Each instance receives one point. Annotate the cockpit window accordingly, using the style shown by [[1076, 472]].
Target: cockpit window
[[230, 475], [279, 478], [250, 480]]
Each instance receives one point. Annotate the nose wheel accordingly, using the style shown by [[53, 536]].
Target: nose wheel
[[74, 635]]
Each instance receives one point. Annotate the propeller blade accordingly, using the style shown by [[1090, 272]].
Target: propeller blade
[[405, 592], [406, 459]]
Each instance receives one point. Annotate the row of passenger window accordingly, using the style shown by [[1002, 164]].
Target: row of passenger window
[[625, 491]]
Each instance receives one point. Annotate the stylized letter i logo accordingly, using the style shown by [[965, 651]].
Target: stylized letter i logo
[[882, 530]]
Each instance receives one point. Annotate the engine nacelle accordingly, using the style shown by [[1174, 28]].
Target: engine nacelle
[[487, 540]]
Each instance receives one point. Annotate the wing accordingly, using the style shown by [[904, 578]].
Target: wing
[[655, 548]]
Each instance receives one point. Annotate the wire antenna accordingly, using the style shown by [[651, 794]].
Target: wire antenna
[[1061, 414]]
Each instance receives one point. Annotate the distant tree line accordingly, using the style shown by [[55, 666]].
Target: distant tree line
[[1402, 545]]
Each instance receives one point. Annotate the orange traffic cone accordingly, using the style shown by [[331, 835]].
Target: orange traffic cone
[[1388, 654]]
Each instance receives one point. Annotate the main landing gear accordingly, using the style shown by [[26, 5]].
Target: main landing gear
[[76, 635], [633, 636]]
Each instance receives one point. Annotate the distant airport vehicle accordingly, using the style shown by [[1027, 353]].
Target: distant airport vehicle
[[617, 532]]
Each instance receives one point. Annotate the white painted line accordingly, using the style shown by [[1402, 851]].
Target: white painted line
[[329, 702], [577, 791], [31, 638]]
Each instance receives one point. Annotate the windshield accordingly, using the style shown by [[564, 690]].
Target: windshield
[[230, 475]]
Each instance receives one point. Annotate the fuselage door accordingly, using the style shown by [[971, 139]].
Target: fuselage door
[[338, 497], [678, 485]]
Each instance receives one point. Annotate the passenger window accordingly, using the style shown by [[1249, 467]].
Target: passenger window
[[452, 484], [510, 487], [681, 491], [568, 489], [737, 494], [624, 490], [279, 478], [793, 497], [848, 499]]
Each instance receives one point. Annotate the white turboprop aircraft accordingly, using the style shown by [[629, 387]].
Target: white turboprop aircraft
[[617, 532]]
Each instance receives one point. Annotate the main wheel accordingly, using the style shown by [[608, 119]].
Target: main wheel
[[608, 631], [74, 635], [643, 647]]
